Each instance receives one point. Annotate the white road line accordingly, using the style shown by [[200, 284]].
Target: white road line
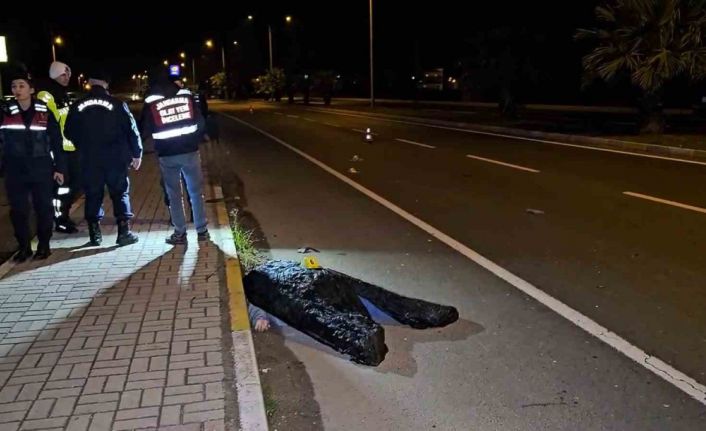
[[363, 131], [666, 202], [673, 376], [415, 143], [331, 124], [309, 119], [509, 165], [292, 116], [500, 135], [278, 113]]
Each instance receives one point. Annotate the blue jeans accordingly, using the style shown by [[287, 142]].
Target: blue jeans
[[189, 165]]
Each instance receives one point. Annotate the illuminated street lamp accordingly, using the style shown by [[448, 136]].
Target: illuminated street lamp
[[57, 41]]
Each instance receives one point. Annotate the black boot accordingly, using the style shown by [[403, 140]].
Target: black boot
[[125, 237], [24, 253], [94, 233], [43, 252]]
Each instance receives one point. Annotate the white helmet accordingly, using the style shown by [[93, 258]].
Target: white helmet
[[58, 68]]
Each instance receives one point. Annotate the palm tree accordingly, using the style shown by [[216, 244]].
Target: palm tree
[[652, 42]]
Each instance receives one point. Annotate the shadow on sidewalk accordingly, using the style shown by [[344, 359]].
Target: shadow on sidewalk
[[163, 305], [64, 254]]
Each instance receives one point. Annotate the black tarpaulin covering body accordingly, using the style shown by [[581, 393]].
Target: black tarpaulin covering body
[[325, 305]]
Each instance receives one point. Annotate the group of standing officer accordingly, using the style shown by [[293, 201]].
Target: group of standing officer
[[51, 149]]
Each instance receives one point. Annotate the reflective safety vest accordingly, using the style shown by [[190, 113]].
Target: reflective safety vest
[[16, 141], [174, 117], [60, 113]]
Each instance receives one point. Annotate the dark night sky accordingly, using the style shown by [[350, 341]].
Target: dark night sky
[[330, 35]]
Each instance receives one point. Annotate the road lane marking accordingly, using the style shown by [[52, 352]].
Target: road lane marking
[[415, 143], [520, 138], [331, 124], [497, 162], [292, 116], [655, 365], [363, 131], [278, 113], [666, 202]]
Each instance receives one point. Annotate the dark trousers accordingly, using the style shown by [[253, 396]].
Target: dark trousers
[[20, 187], [68, 192], [116, 179]]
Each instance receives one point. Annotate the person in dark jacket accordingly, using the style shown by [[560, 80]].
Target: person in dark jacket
[[173, 120], [55, 96], [180, 83], [32, 160], [108, 143]]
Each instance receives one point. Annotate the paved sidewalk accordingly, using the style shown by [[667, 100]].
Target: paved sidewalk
[[107, 338]]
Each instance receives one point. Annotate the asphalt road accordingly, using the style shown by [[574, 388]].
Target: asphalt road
[[572, 120], [628, 262]]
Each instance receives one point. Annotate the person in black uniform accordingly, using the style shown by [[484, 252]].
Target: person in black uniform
[[32, 160], [108, 142]]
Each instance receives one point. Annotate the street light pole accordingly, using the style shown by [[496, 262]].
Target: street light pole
[[223, 57], [55, 41], [225, 73], [288, 19], [269, 33], [193, 69], [372, 70], [209, 44]]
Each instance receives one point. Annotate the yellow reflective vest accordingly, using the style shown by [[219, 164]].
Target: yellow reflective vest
[[60, 114]]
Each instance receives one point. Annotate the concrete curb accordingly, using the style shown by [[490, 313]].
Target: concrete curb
[[588, 141], [251, 405]]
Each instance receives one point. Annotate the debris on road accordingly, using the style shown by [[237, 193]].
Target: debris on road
[[307, 250], [368, 135]]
